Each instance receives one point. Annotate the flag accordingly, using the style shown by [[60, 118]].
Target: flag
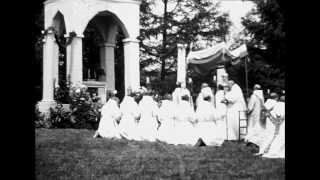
[[235, 61], [240, 52]]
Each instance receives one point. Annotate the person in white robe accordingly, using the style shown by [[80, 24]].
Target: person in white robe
[[130, 118], [139, 94], [268, 108], [263, 138], [176, 94], [255, 125], [236, 89], [258, 91], [219, 96], [110, 116], [235, 105], [166, 118], [179, 91], [205, 89], [206, 122], [184, 120], [274, 145], [148, 123]]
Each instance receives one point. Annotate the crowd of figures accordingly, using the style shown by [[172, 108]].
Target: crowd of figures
[[214, 117]]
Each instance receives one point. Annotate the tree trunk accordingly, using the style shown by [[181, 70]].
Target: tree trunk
[[164, 42]]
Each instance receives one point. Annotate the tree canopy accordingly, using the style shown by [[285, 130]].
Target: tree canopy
[[194, 21], [188, 21], [267, 45]]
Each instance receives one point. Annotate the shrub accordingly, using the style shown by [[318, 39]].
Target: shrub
[[61, 93], [60, 118], [41, 121], [84, 111]]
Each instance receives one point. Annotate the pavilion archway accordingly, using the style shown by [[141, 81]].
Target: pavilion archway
[[114, 20], [103, 54]]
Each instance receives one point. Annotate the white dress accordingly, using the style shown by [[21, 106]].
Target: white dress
[[235, 106], [108, 126], [148, 123], [276, 143], [206, 127], [129, 122], [184, 131], [166, 117], [266, 133], [269, 105]]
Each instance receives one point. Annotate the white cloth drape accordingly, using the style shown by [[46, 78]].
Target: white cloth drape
[[181, 64], [108, 126]]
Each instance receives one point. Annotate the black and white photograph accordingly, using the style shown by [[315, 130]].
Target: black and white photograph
[[159, 89]]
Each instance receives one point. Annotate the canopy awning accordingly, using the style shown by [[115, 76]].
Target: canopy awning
[[203, 61]]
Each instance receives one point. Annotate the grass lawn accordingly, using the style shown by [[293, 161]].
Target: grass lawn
[[74, 154]]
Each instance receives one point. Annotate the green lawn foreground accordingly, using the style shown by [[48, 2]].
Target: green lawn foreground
[[74, 154]]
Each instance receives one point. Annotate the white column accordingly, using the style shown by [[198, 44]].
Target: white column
[[76, 59], [131, 63], [47, 74], [68, 62], [103, 61], [102, 94], [55, 64], [108, 64], [182, 67]]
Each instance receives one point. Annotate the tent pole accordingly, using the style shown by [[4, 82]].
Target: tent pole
[[246, 71]]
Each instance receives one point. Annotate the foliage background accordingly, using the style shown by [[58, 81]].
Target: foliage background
[[267, 43]]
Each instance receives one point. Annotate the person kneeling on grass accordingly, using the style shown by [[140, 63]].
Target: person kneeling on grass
[[130, 117], [184, 120], [274, 146], [110, 117], [148, 123], [166, 118], [206, 126]]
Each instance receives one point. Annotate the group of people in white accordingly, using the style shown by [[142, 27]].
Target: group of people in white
[[213, 119]]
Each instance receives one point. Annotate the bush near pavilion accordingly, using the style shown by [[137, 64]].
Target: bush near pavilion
[[81, 111]]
